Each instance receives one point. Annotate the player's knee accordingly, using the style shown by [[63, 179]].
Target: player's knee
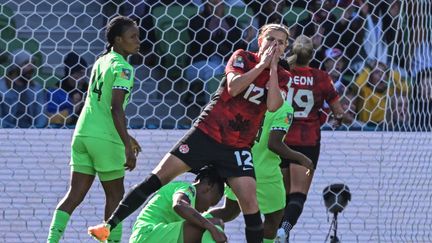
[[249, 203]]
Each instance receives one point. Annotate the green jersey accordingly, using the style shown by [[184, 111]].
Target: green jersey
[[266, 163], [109, 72], [159, 208]]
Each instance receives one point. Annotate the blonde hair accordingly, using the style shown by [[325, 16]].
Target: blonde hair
[[278, 27], [302, 51]]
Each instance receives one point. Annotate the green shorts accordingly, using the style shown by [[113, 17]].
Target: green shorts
[[93, 155], [156, 233], [270, 196]]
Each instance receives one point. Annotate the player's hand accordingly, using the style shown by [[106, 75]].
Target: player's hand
[[136, 148], [218, 236], [337, 120], [268, 54], [276, 56], [130, 159]]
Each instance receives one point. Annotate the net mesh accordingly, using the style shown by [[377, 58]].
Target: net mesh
[[378, 53]]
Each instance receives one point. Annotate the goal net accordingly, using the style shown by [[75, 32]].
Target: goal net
[[378, 53]]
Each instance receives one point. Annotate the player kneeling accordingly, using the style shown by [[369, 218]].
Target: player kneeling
[[173, 214]]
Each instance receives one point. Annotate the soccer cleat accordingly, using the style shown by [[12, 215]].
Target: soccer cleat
[[281, 236], [100, 232]]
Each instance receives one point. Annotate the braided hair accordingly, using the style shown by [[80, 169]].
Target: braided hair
[[210, 174], [114, 28]]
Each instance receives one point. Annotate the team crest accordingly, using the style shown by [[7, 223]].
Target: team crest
[[238, 62], [125, 74], [289, 118], [184, 149]]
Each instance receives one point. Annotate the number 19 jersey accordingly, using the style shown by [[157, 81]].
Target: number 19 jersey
[[307, 91], [110, 71]]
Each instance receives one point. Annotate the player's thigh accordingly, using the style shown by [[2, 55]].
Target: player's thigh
[[172, 232], [108, 158], [81, 161], [242, 188], [271, 196], [300, 180]]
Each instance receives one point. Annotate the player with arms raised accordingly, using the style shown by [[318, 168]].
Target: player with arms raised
[[101, 144], [308, 89], [224, 133]]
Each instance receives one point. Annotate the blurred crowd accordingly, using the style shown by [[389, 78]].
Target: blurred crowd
[[381, 69]]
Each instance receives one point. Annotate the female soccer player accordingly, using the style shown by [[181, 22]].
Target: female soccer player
[[175, 212], [308, 89], [101, 143], [267, 152], [223, 134]]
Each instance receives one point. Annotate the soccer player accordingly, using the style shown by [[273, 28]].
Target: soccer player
[[101, 144], [223, 134], [270, 187], [173, 214], [308, 90]]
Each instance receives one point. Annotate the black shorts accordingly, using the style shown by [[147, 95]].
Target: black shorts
[[312, 152], [197, 150]]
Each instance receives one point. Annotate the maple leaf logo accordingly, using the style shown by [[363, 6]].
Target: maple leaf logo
[[239, 124]]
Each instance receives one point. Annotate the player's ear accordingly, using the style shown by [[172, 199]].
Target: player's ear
[[117, 39]]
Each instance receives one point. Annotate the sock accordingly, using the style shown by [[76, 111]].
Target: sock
[[134, 199], [293, 211], [58, 226], [268, 240], [254, 227], [116, 234]]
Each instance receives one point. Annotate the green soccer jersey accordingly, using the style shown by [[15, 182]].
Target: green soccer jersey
[[266, 163], [159, 208], [109, 72]]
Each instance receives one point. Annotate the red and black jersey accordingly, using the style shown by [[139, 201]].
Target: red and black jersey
[[307, 91], [234, 121]]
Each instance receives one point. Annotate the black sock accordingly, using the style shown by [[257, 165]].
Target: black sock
[[254, 228], [293, 210], [134, 199]]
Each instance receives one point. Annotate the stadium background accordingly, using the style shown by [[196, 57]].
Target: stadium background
[[385, 164]]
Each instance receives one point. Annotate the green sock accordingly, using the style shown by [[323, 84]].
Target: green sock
[[116, 234], [268, 240], [58, 225]]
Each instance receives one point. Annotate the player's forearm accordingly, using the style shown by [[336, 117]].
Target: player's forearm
[[240, 82], [119, 119], [193, 216], [284, 151], [274, 96]]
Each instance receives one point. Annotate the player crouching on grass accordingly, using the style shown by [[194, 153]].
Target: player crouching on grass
[[173, 214], [270, 191]]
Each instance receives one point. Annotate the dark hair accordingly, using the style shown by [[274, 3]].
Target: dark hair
[[114, 28], [210, 174]]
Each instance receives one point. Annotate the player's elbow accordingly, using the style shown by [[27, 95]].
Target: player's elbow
[[232, 91]]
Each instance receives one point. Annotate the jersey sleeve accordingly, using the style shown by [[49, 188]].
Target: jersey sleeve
[[330, 93], [189, 191], [123, 75], [282, 118], [228, 192], [237, 62]]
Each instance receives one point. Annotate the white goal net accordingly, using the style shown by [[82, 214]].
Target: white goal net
[[378, 53]]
